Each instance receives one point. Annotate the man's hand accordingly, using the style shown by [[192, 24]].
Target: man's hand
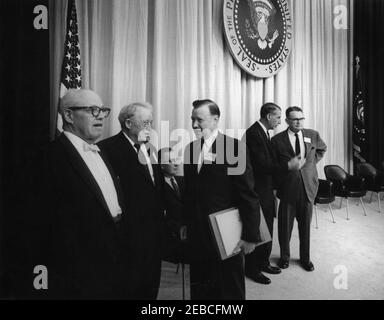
[[245, 247], [295, 163]]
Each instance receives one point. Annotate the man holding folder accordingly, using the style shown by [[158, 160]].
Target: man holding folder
[[218, 176]]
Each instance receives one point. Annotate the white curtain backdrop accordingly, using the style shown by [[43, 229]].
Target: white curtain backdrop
[[172, 52]]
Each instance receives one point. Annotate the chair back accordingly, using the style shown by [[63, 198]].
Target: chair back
[[366, 170], [334, 172]]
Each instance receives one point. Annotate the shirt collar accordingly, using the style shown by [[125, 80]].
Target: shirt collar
[[76, 141], [130, 140], [291, 133], [168, 179], [263, 127], [209, 141]]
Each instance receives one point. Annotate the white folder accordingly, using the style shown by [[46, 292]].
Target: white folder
[[227, 227]]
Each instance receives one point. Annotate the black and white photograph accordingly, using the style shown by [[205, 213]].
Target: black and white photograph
[[192, 151]]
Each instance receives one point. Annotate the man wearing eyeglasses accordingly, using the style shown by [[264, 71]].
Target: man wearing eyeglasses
[[134, 160], [79, 209], [297, 189]]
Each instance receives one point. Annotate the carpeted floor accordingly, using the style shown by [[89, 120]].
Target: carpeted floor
[[348, 258]]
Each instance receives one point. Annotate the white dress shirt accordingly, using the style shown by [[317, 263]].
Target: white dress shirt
[[99, 171], [145, 152], [292, 139], [206, 147]]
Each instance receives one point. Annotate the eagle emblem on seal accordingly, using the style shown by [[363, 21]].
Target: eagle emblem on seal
[[261, 25]]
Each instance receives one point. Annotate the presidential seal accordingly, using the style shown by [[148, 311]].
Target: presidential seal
[[259, 34]]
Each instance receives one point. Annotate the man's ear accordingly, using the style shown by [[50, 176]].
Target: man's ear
[[128, 124], [68, 116]]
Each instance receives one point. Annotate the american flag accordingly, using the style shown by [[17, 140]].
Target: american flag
[[359, 113], [71, 68]]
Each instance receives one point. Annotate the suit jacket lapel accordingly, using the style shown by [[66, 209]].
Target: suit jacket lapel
[[193, 156], [212, 151], [307, 147], [287, 142], [173, 191], [82, 169], [132, 154], [264, 137]]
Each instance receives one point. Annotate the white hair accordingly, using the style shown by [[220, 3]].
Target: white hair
[[129, 111]]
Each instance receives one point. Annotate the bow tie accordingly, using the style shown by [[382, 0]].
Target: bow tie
[[91, 147]]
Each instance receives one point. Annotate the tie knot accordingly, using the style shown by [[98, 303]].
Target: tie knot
[[137, 147], [91, 147], [296, 135]]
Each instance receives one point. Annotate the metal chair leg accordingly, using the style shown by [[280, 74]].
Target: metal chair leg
[[183, 280], [317, 226], [347, 210], [330, 208], [362, 203], [370, 199], [341, 202], [378, 198]]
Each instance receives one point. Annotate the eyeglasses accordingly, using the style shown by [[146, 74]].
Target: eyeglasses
[[146, 124], [297, 119], [94, 110]]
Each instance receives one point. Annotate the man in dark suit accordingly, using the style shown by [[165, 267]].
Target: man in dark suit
[[78, 209], [218, 176], [134, 160], [264, 165], [174, 250], [297, 189]]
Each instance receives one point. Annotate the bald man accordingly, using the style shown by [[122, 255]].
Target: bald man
[[79, 209]]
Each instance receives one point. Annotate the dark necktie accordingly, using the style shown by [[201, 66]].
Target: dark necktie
[[137, 147], [297, 145], [268, 136], [175, 186]]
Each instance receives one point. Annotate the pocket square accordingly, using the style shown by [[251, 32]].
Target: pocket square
[[307, 140]]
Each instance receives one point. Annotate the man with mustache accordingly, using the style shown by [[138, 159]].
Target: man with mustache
[[135, 162]]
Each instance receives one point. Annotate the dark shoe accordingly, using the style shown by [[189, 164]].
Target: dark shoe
[[271, 269], [283, 264], [308, 266], [260, 278]]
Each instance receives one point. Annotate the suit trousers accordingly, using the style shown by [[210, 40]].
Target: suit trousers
[[259, 258], [218, 280], [301, 208], [145, 279]]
